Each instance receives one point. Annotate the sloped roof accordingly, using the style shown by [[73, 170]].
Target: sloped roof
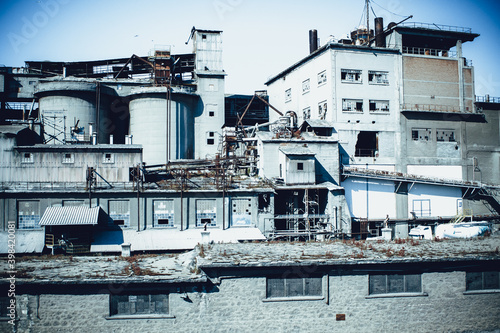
[[70, 216]]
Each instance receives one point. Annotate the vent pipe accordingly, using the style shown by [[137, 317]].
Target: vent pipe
[[313, 40], [379, 32]]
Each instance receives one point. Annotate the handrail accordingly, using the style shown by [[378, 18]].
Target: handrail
[[434, 26]]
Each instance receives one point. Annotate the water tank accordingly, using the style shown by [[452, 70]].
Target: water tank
[[163, 136], [64, 104]]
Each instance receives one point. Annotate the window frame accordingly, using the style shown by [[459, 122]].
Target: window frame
[[379, 82], [322, 109], [27, 158], [306, 86], [169, 203], [349, 108], [450, 133], [322, 295], [483, 288], [388, 293], [379, 109], [351, 76], [66, 159], [322, 78], [113, 298], [419, 138], [108, 160], [288, 95], [26, 223], [306, 113]]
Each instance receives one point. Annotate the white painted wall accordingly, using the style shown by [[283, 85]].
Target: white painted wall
[[436, 171], [443, 200], [370, 198]]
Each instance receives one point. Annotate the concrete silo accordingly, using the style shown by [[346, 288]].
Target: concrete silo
[[164, 129], [69, 107]]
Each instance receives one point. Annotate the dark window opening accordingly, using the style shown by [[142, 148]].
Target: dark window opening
[[119, 222], [67, 156], [210, 141], [294, 287], [482, 280], [162, 221], [206, 221], [388, 284], [108, 156], [211, 114], [264, 200], [300, 166], [203, 36], [367, 144], [27, 155]]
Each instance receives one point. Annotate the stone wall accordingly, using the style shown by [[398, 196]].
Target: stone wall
[[236, 305]]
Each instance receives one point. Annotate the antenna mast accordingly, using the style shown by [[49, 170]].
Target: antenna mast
[[368, 18]]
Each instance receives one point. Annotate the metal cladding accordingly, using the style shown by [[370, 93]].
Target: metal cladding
[[379, 32], [70, 216], [163, 125], [313, 40]]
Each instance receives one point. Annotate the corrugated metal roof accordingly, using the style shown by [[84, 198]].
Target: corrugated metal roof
[[70, 216], [296, 150]]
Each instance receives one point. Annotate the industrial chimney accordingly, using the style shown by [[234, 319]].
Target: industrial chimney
[[313, 40], [379, 32]]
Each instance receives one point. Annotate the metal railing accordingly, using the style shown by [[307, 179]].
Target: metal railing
[[434, 26], [433, 108], [487, 99]]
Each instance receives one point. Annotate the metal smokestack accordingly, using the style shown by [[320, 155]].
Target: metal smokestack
[[313, 40], [379, 32]]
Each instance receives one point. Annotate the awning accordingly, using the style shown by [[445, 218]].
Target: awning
[[70, 216]]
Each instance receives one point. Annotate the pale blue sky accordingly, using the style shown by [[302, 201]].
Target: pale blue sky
[[261, 38]]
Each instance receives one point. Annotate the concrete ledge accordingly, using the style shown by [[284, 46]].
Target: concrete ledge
[[479, 292], [287, 299], [397, 295], [150, 316]]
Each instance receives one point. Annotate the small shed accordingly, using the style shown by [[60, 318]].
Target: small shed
[[297, 165]]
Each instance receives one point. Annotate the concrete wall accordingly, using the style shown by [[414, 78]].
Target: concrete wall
[[238, 305]]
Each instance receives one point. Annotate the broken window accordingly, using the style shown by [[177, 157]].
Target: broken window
[[119, 212], [421, 134], [126, 305], [379, 106], [306, 86], [395, 283], [367, 144], [378, 77], [108, 158], [351, 76], [321, 78], [294, 287], [322, 108], [28, 214], [445, 135], [27, 158], [68, 158], [163, 213], [206, 213], [306, 113], [482, 280], [352, 105], [288, 95]]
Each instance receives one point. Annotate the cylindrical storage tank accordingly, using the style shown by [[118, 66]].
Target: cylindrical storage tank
[[165, 134], [64, 104]]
